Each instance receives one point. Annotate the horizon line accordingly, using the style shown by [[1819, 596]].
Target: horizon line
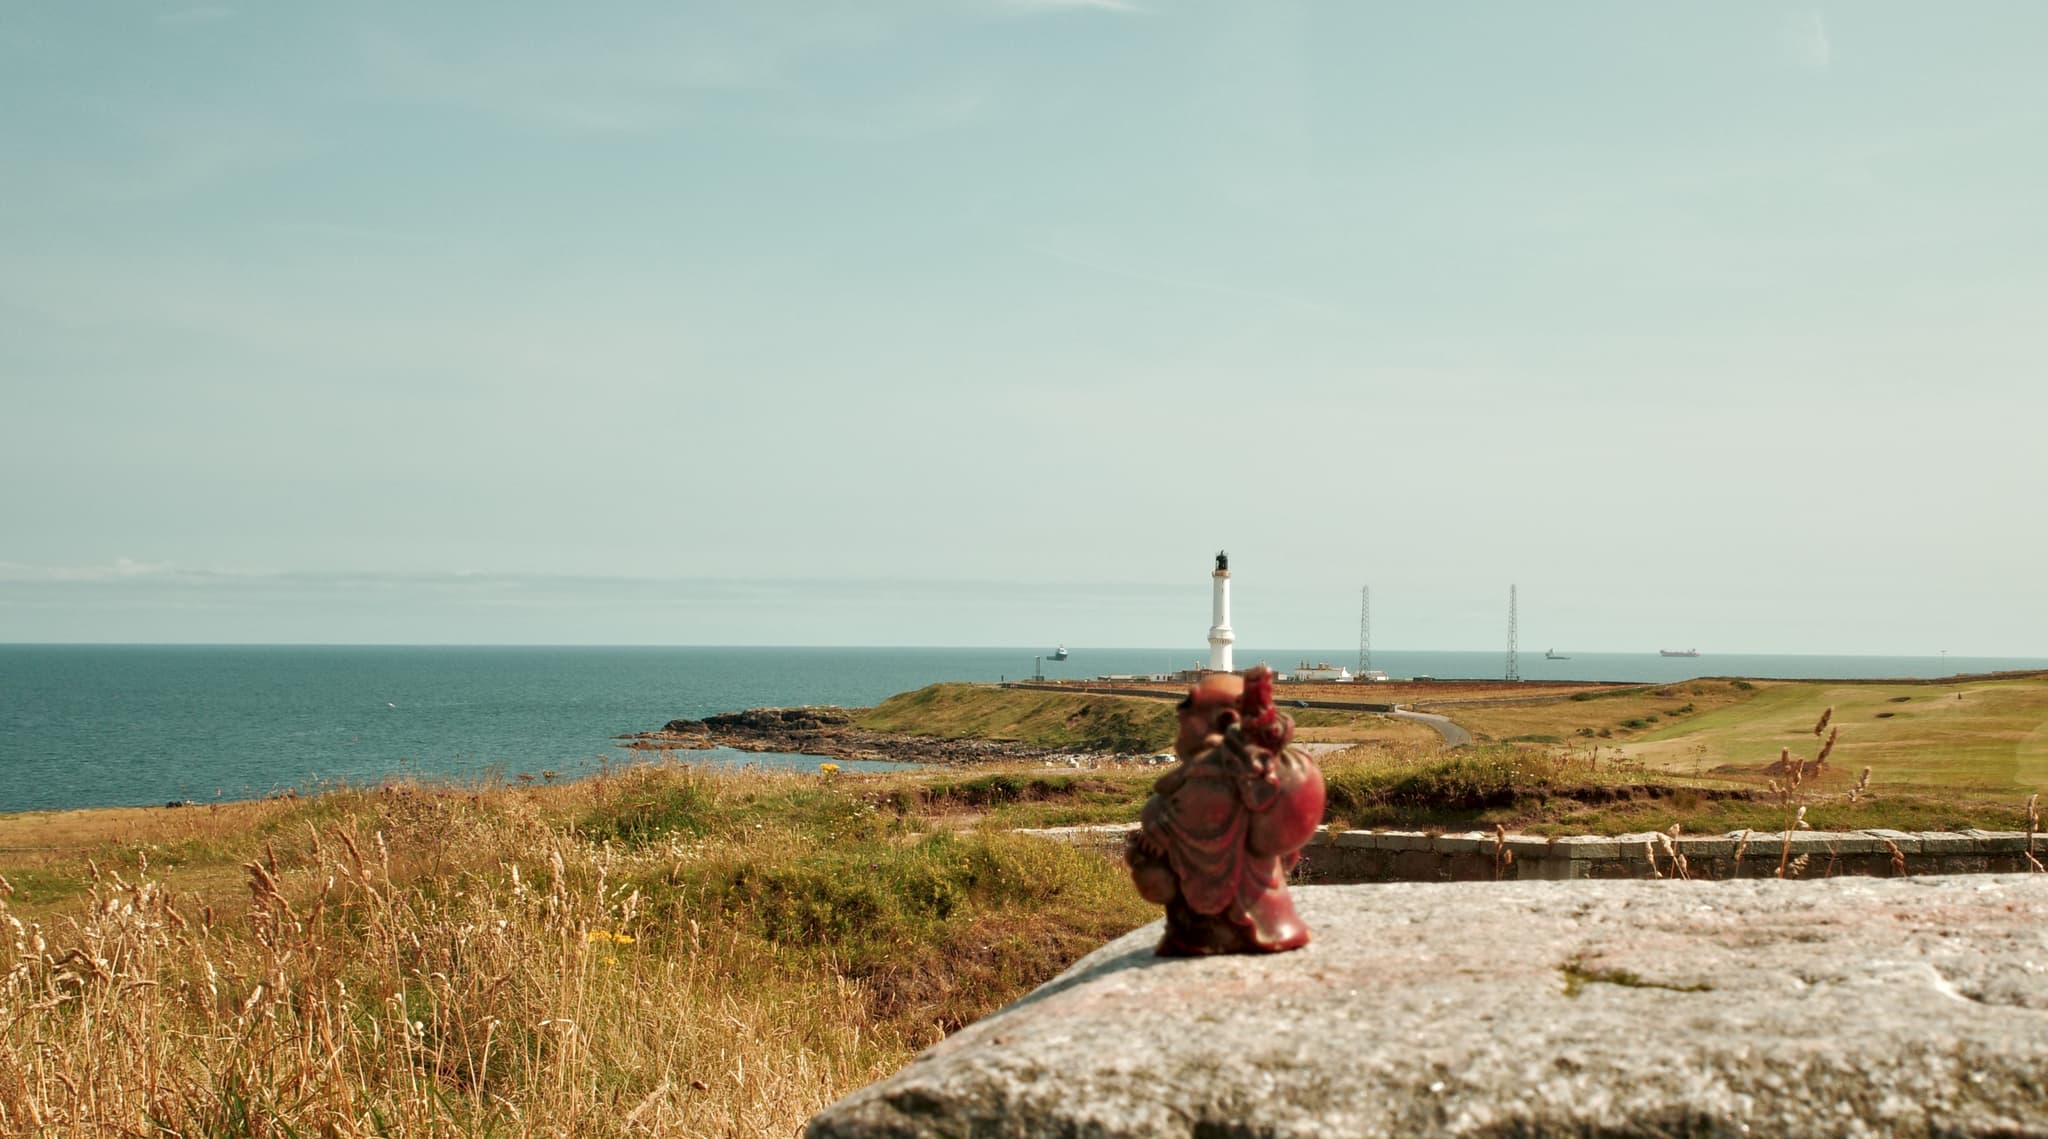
[[1337, 656]]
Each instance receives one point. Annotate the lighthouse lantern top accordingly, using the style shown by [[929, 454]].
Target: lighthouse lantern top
[[1222, 561]]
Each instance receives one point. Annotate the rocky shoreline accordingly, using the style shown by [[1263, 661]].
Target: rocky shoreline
[[830, 733]]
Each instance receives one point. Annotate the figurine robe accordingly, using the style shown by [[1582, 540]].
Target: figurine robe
[[1221, 830]]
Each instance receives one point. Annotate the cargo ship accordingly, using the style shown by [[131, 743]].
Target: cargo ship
[[1678, 652]]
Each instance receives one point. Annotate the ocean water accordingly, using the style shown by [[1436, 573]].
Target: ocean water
[[98, 725]]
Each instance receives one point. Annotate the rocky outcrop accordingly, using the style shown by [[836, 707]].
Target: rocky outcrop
[[831, 733], [1846, 1007], [676, 735]]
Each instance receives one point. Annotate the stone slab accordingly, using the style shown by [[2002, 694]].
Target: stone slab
[[1943, 842], [1583, 847], [1906, 841], [1700, 848], [1464, 842], [1094, 834], [1844, 1007]]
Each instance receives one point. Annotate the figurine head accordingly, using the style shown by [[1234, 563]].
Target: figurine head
[[1264, 725], [1211, 706]]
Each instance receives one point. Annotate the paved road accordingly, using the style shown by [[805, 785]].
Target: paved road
[[1454, 736]]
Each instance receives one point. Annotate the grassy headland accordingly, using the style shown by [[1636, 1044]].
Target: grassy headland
[[1128, 725], [678, 950], [1038, 718]]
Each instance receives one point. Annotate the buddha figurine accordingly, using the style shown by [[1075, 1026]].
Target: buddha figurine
[[1222, 829]]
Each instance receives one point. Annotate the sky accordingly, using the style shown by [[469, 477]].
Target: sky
[[988, 322]]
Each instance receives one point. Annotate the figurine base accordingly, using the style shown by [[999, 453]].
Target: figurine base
[[1189, 934]]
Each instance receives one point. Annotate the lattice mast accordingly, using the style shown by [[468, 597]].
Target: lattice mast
[[1514, 659], [1364, 629]]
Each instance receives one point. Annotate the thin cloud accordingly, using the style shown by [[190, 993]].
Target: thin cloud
[[1125, 6], [583, 586], [894, 121], [199, 14], [120, 569], [1806, 40], [1097, 266]]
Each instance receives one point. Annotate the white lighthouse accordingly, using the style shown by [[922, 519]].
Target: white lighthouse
[[1220, 636]]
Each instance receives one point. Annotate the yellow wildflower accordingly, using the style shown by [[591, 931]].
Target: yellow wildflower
[[829, 768]]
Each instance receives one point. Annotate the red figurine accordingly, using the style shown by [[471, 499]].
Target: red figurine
[[1223, 828]]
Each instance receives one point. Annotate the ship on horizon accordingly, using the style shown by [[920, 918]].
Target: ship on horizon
[[1058, 653], [1678, 652]]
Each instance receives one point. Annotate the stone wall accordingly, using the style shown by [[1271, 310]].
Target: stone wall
[[1414, 856], [1356, 856]]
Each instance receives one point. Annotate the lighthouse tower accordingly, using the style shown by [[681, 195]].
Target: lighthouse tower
[[1220, 636]]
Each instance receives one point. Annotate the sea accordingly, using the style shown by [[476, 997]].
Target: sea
[[137, 725]]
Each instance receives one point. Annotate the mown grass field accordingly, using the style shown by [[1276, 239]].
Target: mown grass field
[[1988, 735], [1603, 714], [1937, 762]]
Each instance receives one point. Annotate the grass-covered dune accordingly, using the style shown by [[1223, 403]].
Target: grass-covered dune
[[1128, 725], [1026, 716]]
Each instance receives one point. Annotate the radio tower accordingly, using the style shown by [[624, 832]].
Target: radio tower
[[1364, 629], [1514, 663]]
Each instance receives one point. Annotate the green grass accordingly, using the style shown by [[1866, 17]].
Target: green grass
[[1550, 790], [42, 885], [1608, 714], [1994, 739], [1017, 799], [1129, 725]]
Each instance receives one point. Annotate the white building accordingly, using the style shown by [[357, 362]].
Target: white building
[[1220, 636]]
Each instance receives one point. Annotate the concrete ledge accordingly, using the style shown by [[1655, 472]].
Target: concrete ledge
[[1583, 847], [1848, 1007], [1355, 856]]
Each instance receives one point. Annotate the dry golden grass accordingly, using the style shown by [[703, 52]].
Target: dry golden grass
[[1316, 725], [661, 952], [1609, 715]]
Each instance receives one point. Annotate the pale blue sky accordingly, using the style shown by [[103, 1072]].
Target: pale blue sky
[[988, 322]]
